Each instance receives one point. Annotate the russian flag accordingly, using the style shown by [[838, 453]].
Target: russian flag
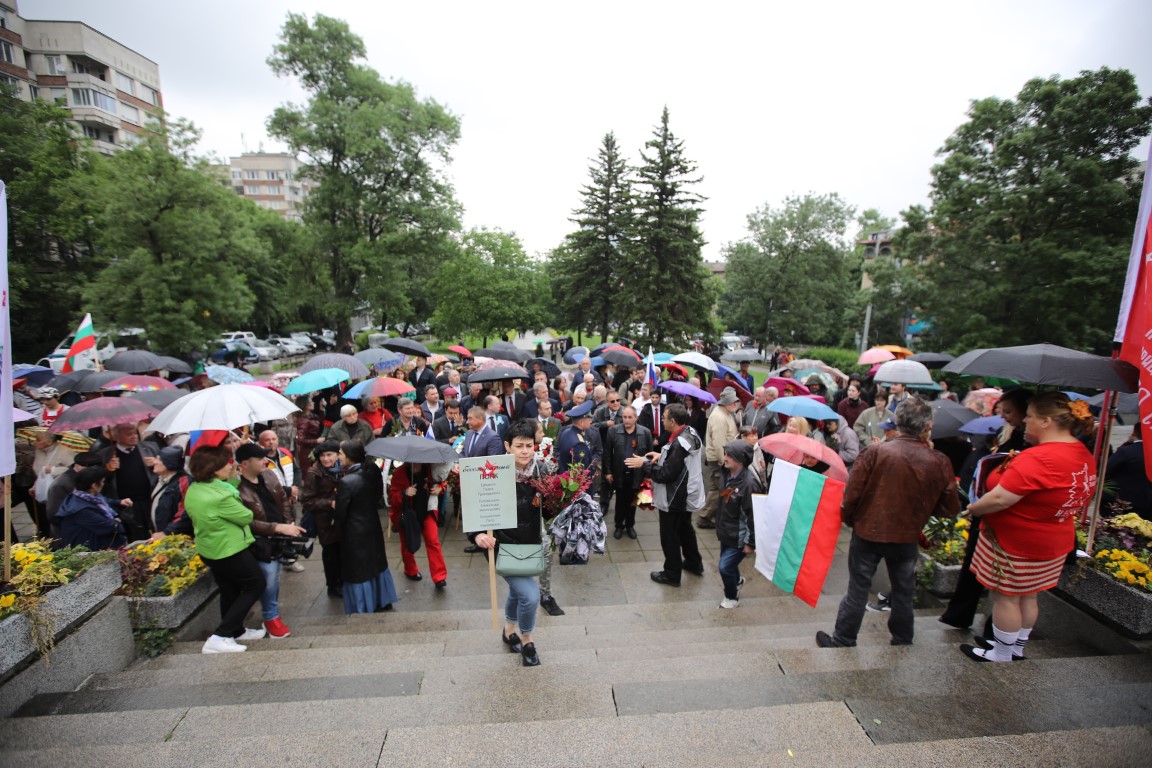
[[652, 375], [797, 524]]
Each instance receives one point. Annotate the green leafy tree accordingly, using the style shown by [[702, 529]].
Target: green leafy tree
[[788, 281], [592, 270], [670, 291], [178, 242], [1031, 219], [490, 287], [376, 151], [45, 166]]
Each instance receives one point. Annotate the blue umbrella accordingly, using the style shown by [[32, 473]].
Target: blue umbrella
[[36, 375], [985, 425], [662, 357], [570, 357], [723, 370], [314, 381], [222, 374], [802, 406]]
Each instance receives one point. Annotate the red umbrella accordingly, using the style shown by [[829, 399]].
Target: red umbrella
[[380, 386], [676, 367], [138, 383], [462, 351], [717, 386], [787, 386], [623, 348], [103, 411], [793, 449]]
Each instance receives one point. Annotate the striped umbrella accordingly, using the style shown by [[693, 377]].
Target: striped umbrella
[[137, 383]]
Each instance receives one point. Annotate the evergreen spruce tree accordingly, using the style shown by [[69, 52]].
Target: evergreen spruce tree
[[670, 290], [590, 271]]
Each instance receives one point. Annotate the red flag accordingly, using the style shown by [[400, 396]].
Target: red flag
[[1134, 327]]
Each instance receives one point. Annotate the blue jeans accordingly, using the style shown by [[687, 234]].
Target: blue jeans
[[863, 558], [270, 598], [523, 601], [730, 559]]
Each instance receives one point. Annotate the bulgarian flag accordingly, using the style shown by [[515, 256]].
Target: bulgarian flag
[[797, 524], [82, 353]]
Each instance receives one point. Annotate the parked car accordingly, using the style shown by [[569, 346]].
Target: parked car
[[323, 343], [304, 340], [266, 349], [290, 346], [220, 350]]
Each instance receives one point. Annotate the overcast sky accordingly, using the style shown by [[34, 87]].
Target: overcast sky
[[770, 101]]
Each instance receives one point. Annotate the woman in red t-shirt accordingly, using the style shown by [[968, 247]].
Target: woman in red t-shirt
[[1030, 524]]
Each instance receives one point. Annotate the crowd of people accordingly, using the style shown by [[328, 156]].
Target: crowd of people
[[256, 499]]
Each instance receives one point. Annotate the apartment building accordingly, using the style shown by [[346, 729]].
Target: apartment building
[[110, 89], [272, 180]]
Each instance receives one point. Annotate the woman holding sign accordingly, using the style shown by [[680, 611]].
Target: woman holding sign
[[523, 591]]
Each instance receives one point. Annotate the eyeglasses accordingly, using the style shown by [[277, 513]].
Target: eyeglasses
[[614, 401]]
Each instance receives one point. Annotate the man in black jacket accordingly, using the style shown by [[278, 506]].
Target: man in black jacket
[[623, 441]]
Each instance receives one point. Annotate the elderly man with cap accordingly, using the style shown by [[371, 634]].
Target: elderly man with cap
[[720, 431], [129, 462], [580, 444], [734, 524], [756, 413], [50, 406], [168, 514], [350, 427]]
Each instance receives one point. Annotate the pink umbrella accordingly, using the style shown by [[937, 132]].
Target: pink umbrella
[[876, 355], [787, 386], [138, 383], [794, 448], [259, 383]]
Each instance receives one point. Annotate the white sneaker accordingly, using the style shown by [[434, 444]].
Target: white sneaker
[[217, 644], [296, 567], [253, 634], [726, 603]]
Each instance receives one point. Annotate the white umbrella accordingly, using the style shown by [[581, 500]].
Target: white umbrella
[[696, 360], [903, 372], [227, 406]]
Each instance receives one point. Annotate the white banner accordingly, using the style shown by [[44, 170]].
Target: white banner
[[7, 436]]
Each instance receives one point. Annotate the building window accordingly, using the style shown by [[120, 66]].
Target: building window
[[87, 68], [33, 91], [3, 17], [125, 83], [251, 174], [129, 139], [236, 175], [272, 190], [55, 65], [7, 53], [130, 114], [9, 80], [273, 175], [96, 134], [251, 190], [288, 175], [86, 97], [149, 95]]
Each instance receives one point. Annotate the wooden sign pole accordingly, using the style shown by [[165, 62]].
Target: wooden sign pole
[[492, 587]]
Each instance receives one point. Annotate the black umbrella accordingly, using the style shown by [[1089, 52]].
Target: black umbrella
[[407, 346], [932, 359], [1125, 404], [498, 374], [412, 449], [66, 382], [551, 370], [504, 353], [948, 417], [571, 356], [96, 380], [1048, 364], [620, 358], [175, 364], [354, 368], [135, 361]]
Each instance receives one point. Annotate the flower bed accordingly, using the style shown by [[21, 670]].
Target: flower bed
[[49, 592], [1116, 583], [166, 583], [943, 541]]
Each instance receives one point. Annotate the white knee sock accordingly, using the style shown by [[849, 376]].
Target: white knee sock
[[1021, 639], [1003, 645]]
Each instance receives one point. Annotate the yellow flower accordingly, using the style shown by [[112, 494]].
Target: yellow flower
[[7, 600], [20, 555]]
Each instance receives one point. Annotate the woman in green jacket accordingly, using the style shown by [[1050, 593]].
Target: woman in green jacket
[[224, 538]]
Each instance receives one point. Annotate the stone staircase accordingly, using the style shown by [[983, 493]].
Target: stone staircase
[[635, 674]]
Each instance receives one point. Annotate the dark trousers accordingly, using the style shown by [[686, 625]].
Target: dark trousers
[[330, 556], [961, 610], [241, 583], [863, 558], [677, 535], [626, 503]]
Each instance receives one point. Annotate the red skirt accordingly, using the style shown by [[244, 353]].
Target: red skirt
[[1010, 575]]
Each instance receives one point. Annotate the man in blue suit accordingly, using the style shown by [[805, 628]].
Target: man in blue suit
[[480, 440], [496, 420]]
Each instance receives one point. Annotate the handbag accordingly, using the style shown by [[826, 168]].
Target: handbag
[[520, 559]]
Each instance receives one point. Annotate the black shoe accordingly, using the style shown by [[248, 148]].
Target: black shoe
[[531, 658], [662, 578], [955, 625], [548, 603], [706, 524], [970, 652], [618, 533], [385, 609], [696, 571], [442, 583], [415, 577], [473, 549], [631, 532], [980, 642], [512, 641], [336, 592], [825, 640]]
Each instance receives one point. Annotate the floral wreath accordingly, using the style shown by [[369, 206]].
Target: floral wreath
[[1079, 409]]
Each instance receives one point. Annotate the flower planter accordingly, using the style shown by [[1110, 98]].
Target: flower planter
[[66, 604], [172, 611], [944, 580], [1127, 609]]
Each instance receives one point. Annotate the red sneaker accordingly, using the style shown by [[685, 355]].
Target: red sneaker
[[276, 628]]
